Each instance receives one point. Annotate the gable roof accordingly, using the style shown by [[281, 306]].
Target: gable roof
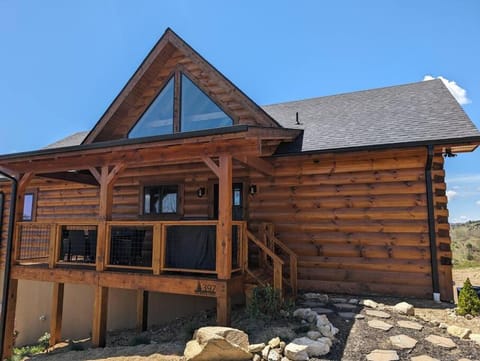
[[74, 139], [417, 112], [171, 53]]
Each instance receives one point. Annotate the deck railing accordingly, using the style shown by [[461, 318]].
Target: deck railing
[[151, 246]]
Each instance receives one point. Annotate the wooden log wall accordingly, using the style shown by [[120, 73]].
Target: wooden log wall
[[357, 221]]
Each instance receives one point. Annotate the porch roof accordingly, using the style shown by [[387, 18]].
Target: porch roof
[[238, 140]]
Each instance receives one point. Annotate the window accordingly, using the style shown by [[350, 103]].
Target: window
[[198, 111], [184, 108], [28, 206], [158, 118], [163, 199]]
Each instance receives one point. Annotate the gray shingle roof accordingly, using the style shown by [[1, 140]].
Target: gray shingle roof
[[407, 113], [73, 139], [420, 111]]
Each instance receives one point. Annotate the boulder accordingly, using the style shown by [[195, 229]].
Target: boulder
[[316, 296], [274, 355], [475, 337], [459, 332], [404, 308], [217, 344], [315, 348], [313, 335], [325, 326], [296, 352], [369, 303], [265, 352], [258, 347], [305, 314], [274, 342]]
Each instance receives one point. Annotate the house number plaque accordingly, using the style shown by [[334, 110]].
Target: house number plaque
[[206, 289]]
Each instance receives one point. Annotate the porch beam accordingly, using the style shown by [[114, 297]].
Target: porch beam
[[57, 313], [224, 226], [259, 164]]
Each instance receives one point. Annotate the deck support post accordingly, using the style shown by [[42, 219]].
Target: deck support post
[[224, 226], [100, 309], [57, 313], [223, 310], [142, 310]]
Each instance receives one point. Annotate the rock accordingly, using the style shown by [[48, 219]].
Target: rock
[[468, 316], [345, 306], [404, 308], [318, 347], [359, 317], [353, 301], [326, 327], [338, 300], [313, 335], [443, 326], [274, 342], [379, 314], [475, 337], [265, 352], [439, 341], [410, 324], [424, 358], [258, 347], [322, 310], [316, 296], [296, 352], [380, 325], [281, 347], [382, 355], [285, 359], [274, 355], [305, 314], [369, 303], [403, 342], [257, 358], [459, 332], [347, 315], [217, 344]]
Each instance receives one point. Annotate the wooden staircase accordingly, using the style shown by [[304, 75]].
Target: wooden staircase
[[270, 261]]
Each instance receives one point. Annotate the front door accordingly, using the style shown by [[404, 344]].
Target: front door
[[237, 201]]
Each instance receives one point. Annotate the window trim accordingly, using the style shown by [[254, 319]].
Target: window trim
[[33, 216], [180, 200]]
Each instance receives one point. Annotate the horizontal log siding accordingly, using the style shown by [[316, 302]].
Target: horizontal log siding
[[358, 221], [5, 188]]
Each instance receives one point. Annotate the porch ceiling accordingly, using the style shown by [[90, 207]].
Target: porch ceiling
[[246, 141]]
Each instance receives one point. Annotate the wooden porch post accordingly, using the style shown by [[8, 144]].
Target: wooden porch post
[[57, 313], [11, 297], [106, 179], [100, 308], [224, 227], [142, 310]]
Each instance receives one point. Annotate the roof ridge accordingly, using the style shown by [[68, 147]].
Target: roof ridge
[[352, 92]]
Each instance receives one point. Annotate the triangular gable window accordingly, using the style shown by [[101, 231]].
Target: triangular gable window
[[158, 118], [196, 112]]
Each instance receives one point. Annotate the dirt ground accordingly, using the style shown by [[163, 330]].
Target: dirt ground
[[460, 275], [354, 340]]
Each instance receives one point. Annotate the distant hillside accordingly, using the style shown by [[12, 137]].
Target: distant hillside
[[465, 243]]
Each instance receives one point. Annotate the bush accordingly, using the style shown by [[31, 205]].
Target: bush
[[266, 302], [468, 301]]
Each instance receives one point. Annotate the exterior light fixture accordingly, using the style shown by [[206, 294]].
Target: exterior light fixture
[[252, 189], [200, 192]]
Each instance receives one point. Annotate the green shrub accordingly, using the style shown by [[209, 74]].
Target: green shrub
[[266, 302], [468, 301], [44, 340]]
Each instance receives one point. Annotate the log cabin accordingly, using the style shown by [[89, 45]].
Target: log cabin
[[185, 186]]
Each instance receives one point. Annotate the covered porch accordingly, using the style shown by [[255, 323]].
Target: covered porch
[[203, 251]]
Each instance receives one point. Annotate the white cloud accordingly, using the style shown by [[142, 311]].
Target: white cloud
[[478, 203], [458, 92], [451, 194]]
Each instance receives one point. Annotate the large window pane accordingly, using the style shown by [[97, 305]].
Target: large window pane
[[158, 119], [198, 111], [160, 199]]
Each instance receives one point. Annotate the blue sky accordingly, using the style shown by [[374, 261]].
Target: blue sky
[[63, 62]]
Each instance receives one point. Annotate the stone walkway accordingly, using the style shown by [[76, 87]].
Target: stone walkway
[[397, 333]]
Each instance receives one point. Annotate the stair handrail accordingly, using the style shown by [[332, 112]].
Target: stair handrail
[[277, 261]]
